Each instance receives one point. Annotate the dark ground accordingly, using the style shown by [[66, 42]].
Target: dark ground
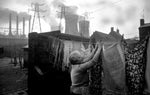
[[13, 80]]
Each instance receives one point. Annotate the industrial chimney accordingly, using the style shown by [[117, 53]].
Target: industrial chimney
[[29, 24], [17, 25], [23, 27], [10, 32], [84, 28], [71, 20]]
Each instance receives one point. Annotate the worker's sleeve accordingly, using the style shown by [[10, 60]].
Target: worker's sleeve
[[93, 61], [89, 57]]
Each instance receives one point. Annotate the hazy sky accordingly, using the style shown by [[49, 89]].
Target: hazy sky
[[103, 14]]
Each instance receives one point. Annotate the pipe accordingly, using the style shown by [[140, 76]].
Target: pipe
[[29, 24]]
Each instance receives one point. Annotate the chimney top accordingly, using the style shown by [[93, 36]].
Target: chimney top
[[117, 30], [141, 22], [112, 29]]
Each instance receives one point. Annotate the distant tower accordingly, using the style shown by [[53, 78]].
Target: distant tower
[[37, 11], [84, 28], [10, 31], [71, 21], [23, 26], [29, 24], [17, 33]]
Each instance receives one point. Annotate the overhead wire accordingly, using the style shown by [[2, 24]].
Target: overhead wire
[[100, 9], [114, 4]]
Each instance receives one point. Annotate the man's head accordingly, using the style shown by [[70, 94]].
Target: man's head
[[75, 58]]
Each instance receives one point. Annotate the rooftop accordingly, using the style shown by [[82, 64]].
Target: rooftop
[[64, 36], [145, 25], [116, 35], [103, 37]]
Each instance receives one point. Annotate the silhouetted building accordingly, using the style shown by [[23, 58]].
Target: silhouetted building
[[144, 29], [101, 37], [71, 41]]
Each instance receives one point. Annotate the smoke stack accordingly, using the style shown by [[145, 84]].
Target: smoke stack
[[23, 26], [29, 24], [17, 25], [10, 32], [84, 28], [71, 20], [141, 22]]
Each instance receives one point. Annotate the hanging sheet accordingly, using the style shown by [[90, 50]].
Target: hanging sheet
[[95, 84], [135, 60], [148, 68]]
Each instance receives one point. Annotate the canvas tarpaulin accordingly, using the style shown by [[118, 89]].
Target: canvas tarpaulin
[[47, 68], [49, 53], [113, 68]]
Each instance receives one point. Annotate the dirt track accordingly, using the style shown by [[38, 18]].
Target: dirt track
[[13, 80]]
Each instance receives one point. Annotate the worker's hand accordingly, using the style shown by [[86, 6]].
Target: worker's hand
[[97, 45], [91, 48]]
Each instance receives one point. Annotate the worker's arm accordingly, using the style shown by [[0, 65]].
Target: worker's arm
[[91, 62], [38, 70], [89, 57]]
